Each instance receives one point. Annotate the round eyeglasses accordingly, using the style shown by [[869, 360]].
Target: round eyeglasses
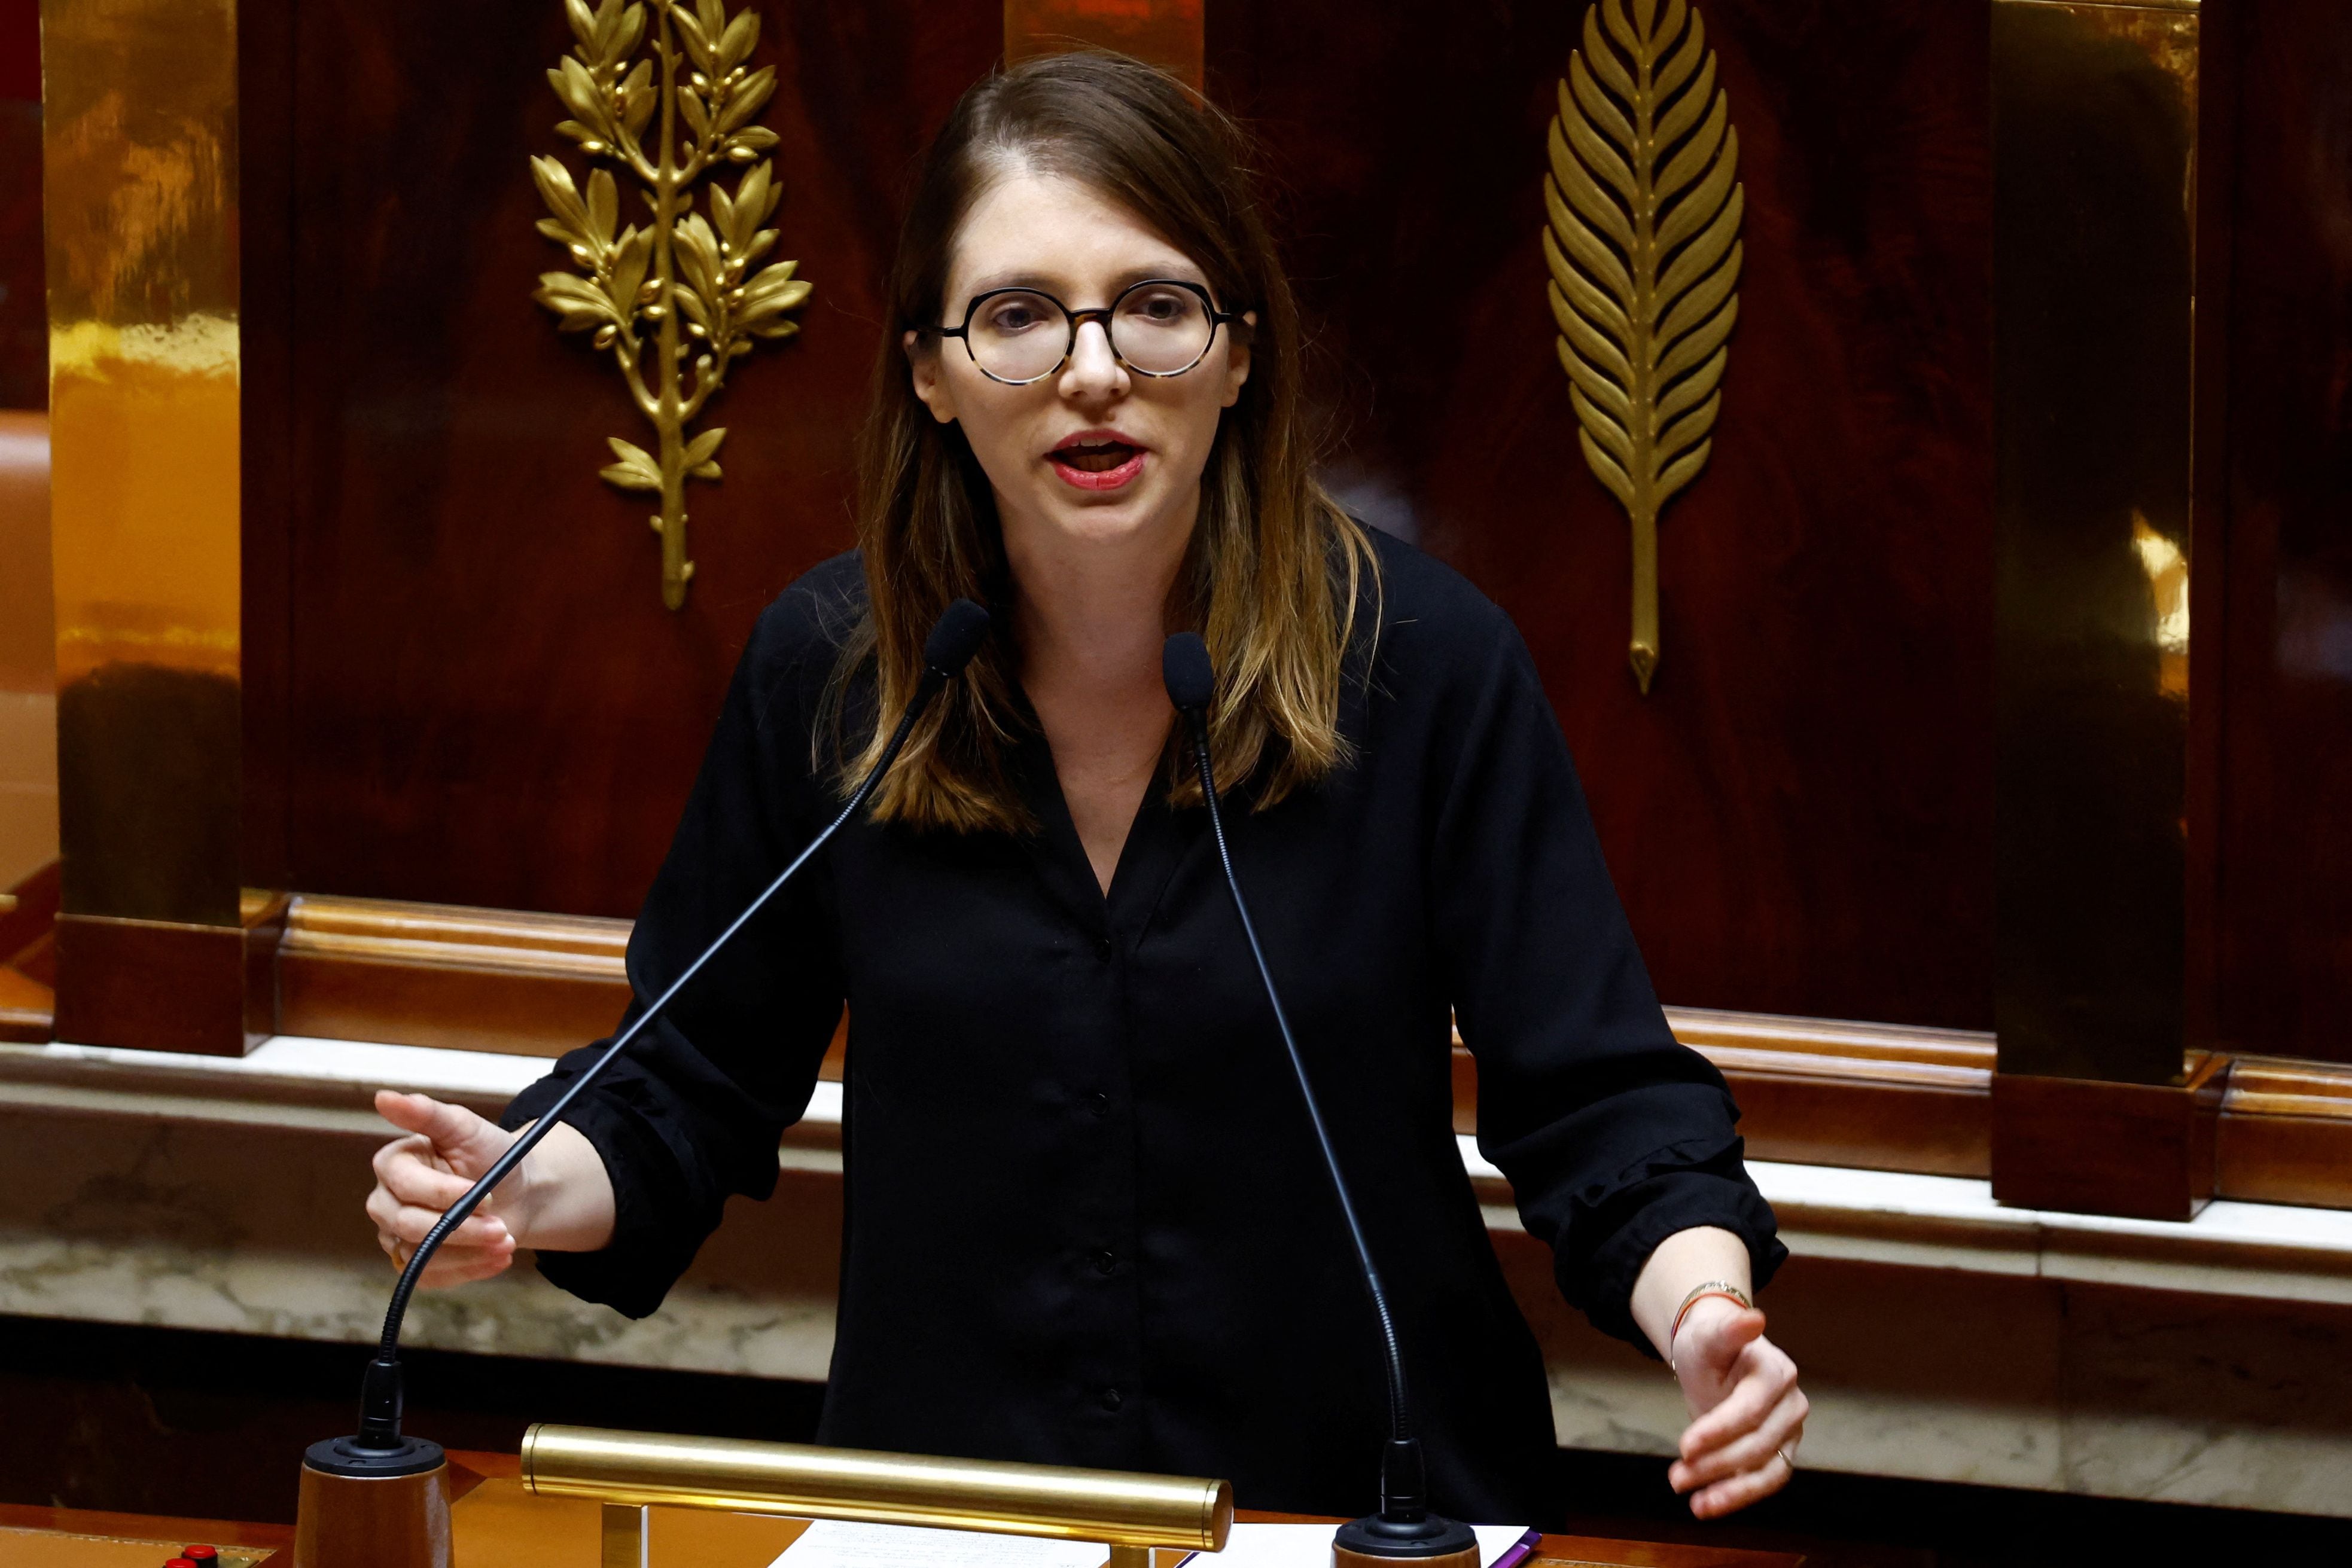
[[1160, 326]]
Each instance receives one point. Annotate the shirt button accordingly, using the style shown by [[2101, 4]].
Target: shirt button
[[1105, 1262], [1102, 948], [1100, 1104], [1111, 1400]]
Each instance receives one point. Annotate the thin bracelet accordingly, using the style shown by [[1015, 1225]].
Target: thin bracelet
[[1698, 1293]]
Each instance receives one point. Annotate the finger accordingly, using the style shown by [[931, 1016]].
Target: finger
[[1767, 1376], [465, 1269], [1750, 1486], [1777, 1433], [392, 1208], [453, 1262], [414, 1181], [415, 1146], [468, 1142], [412, 1223], [1715, 1339]]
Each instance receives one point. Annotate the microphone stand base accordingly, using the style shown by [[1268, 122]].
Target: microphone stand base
[[366, 1508], [1434, 1543]]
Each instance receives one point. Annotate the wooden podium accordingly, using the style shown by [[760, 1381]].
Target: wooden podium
[[498, 1524]]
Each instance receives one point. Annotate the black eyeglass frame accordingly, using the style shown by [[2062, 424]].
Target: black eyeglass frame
[[1104, 313]]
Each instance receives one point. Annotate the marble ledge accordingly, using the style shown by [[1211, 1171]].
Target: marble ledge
[[2270, 1251]]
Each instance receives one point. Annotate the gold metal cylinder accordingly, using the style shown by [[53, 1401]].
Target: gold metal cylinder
[[1110, 1506]]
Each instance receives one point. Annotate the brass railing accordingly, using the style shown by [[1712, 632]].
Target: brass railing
[[631, 1471]]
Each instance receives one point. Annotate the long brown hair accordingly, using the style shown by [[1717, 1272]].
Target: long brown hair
[[1274, 568]]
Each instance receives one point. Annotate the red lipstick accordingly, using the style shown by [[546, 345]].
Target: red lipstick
[[1097, 460]]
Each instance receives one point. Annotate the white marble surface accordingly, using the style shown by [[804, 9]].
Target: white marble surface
[[1942, 1337]]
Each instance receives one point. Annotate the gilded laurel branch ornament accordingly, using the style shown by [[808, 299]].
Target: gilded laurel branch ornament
[[686, 287], [1644, 248]]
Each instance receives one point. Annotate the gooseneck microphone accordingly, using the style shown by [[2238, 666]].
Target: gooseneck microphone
[[1404, 1528], [379, 1450]]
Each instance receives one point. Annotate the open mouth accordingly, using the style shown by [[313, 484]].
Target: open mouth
[[1096, 456], [1097, 460]]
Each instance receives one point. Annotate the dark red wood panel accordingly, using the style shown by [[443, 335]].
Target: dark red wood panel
[[487, 702], [1799, 816], [2285, 866], [23, 315]]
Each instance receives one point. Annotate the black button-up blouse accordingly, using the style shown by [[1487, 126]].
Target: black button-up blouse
[[1087, 1221]]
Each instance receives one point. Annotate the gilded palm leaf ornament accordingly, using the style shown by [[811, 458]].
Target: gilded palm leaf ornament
[[1644, 248], [688, 286]]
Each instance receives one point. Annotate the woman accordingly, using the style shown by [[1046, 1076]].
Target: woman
[[1087, 1224]]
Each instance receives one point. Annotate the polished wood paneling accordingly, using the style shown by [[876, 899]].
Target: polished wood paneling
[[1811, 1091], [1819, 1092], [2285, 857], [275, 1539], [266, 132], [1799, 817], [2142, 1151], [164, 985], [2286, 1133], [23, 323], [27, 959], [1168, 33], [476, 980], [487, 702]]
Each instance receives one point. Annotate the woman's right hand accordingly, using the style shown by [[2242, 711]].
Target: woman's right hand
[[417, 1178]]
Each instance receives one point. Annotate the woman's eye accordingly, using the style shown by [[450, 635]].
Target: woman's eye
[[1009, 316]]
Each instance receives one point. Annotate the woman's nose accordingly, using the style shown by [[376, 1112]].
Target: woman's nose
[[1093, 368]]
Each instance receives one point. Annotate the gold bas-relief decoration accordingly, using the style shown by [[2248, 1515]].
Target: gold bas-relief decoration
[[1644, 248], [685, 286]]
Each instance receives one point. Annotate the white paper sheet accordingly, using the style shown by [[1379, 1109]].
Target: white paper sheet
[[837, 1543]]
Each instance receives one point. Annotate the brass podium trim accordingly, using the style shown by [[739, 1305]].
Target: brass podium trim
[[637, 1470]]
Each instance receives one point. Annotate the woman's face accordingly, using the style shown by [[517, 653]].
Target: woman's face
[[1092, 454]]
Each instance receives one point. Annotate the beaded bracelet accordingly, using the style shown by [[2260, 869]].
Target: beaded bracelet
[[1698, 1293]]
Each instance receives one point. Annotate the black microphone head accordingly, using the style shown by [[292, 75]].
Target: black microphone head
[[955, 637], [1184, 666]]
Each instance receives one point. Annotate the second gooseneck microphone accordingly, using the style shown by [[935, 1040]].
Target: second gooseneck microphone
[[1404, 1528], [953, 639]]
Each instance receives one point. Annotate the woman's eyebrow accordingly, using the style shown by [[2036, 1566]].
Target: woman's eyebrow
[[1058, 285]]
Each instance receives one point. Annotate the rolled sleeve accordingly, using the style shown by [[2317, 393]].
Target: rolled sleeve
[[1613, 1134], [691, 1112]]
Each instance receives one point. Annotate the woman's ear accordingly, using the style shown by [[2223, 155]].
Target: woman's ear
[[1237, 358], [923, 364]]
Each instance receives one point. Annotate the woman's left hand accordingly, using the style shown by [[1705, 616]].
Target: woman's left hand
[[1749, 1413]]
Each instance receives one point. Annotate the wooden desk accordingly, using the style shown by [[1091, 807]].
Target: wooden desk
[[496, 1524]]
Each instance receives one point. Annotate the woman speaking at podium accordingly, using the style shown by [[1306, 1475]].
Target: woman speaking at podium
[[1086, 1219]]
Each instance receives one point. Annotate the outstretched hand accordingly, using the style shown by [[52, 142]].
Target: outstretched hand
[[1748, 1415], [418, 1176]]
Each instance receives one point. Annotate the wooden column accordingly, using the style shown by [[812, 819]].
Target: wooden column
[[158, 945], [2098, 1106]]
